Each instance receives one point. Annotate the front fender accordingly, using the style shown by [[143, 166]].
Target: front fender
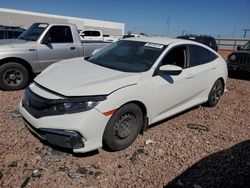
[[125, 95], [20, 55]]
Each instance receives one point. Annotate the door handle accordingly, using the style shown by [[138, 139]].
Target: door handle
[[72, 48], [213, 68], [189, 76]]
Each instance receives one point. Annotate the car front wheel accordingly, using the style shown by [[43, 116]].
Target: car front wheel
[[13, 76], [123, 127]]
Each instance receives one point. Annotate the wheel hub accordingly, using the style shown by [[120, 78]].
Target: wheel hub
[[124, 125], [12, 77], [216, 93]]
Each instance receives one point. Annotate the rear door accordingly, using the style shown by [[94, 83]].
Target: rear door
[[60, 46], [201, 67]]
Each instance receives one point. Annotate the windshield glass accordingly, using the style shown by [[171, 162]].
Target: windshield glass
[[247, 46], [33, 32], [128, 56]]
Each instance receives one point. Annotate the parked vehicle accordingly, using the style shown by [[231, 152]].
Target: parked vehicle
[[95, 35], [132, 35], [119, 91], [240, 60], [38, 47], [8, 32], [204, 39]]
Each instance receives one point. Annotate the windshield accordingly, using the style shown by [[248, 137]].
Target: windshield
[[128, 56], [33, 32], [247, 46]]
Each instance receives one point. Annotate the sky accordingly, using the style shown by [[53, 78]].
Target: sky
[[224, 18]]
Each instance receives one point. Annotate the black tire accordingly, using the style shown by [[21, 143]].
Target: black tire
[[123, 127], [13, 76], [215, 93]]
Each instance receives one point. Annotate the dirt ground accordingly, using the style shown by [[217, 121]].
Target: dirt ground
[[224, 53], [203, 147]]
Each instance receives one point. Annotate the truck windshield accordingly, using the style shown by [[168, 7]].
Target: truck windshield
[[33, 32], [128, 56], [247, 46]]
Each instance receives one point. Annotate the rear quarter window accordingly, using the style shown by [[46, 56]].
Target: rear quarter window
[[200, 55], [91, 33]]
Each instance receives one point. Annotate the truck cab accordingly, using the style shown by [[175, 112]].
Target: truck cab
[[41, 45]]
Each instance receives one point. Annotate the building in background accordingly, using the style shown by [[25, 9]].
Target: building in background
[[10, 17]]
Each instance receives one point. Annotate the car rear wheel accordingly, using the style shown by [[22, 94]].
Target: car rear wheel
[[123, 127], [215, 93], [13, 76]]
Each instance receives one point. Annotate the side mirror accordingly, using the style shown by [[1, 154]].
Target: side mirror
[[238, 48], [170, 69]]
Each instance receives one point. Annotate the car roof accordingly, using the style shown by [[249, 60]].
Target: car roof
[[161, 40]]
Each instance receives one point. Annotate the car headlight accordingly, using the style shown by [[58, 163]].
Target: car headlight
[[69, 107], [232, 57], [39, 106]]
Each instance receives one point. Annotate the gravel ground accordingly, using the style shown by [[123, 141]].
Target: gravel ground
[[203, 147]]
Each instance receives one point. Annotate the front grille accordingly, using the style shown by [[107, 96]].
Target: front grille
[[243, 59], [36, 105], [34, 100], [57, 137], [35, 131]]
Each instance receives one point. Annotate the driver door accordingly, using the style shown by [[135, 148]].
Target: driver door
[[172, 93], [59, 46]]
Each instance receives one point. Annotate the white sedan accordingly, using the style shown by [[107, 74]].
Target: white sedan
[[113, 95]]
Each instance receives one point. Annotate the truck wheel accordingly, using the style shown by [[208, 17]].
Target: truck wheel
[[13, 76], [123, 127], [215, 93]]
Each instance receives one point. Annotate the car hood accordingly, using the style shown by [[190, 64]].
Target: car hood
[[241, 52], [77, 77], [13, 44]]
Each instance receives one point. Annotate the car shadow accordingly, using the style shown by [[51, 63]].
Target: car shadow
[[239, 75], [229, 168], [70, 151]]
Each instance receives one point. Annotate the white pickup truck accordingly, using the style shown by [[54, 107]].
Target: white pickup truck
[[37, 48], [95, 35]]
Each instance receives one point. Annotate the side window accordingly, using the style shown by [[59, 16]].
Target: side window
[[214, 45], [2, 34], [176, 56], [9, 34], [208, 42], [60, 34], [92, 33], [17, 34], [200, 55]]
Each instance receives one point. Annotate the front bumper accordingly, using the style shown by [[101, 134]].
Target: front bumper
[[82, 132], [238, 67], [61, 138]]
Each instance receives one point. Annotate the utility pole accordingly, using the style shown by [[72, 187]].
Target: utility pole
[[245, 32], [168, 25]]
